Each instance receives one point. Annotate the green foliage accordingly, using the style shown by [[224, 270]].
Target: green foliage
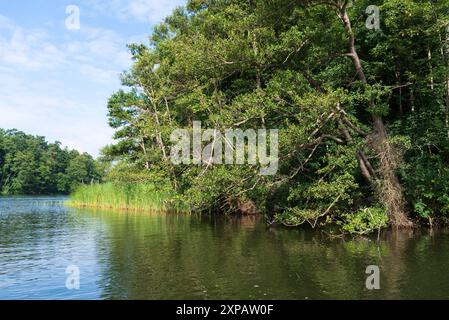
[[285, 65], [427, 187], [364, 221], [135, 197], [30, 165]]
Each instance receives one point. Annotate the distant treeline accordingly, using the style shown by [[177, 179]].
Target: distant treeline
[[31, 165]]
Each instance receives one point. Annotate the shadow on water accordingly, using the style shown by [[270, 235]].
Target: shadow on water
[[170, 256]]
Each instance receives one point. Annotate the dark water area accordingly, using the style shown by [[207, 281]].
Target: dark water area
[[165, 256]]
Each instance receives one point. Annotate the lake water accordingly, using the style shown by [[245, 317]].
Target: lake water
[[165, 256]]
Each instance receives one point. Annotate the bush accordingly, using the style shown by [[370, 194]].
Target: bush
[[364, 221], [427, 189]]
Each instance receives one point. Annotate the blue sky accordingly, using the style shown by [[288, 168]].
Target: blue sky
[[54, 81]]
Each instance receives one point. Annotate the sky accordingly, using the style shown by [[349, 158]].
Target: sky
[[58, 67]]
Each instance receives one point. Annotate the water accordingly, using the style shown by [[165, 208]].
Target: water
[[143, 256]]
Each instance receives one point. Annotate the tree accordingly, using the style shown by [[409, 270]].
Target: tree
[[30, 165], [344, 98]]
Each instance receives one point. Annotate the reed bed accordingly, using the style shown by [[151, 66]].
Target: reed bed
[[132, 197]]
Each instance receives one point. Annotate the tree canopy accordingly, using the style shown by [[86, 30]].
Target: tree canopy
[[30, 165], [362, 113]]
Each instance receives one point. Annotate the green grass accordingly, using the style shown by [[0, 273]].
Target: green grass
[[133, 197]]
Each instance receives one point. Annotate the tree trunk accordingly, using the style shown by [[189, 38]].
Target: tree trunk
[[446, 83], [446, 120], [144, 150], [444, 50], [389, 189]]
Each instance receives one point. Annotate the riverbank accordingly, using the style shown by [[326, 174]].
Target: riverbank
[[129, 197]]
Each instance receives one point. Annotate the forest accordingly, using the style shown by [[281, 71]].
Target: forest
[[31, 166], [358, 91]]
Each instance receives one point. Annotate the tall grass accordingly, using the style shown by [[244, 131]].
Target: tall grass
[[136, 197]]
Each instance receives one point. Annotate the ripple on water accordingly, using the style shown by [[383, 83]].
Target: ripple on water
[[140, 256]]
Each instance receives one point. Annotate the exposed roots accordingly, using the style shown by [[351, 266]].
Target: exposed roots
[[388, 188]]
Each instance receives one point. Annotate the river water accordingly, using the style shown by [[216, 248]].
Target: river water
[[167, 256]]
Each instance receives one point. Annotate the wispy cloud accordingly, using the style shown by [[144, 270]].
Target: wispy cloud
[[58, 88], [99, 75], [48, 108], [27, 48], [55, 82], [37, 50], [149, 11]]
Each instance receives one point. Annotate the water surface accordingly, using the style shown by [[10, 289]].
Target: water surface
[[165, 256]]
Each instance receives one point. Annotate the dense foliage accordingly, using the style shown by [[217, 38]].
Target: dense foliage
[[30, 165], [362, 113]]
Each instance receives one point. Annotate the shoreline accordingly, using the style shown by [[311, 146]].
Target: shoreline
[[417, 226], [74, 204]]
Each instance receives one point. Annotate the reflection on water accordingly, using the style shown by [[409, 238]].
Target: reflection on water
[[143, 256]]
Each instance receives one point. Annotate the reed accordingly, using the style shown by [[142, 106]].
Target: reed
[[134, 197]]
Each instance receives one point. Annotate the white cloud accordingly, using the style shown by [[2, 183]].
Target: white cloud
[[97, 54], [37, 50], [98, 74], [46, 109], [150, 11], [107, 45], [57, 85], [27, 48]]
